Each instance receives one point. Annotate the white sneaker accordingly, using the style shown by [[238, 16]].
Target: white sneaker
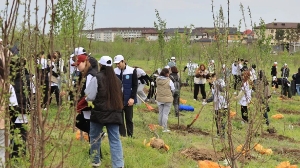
[[96, 164], [204, 103], [166, 130]]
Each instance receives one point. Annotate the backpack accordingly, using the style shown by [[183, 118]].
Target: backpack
[[177, 85]]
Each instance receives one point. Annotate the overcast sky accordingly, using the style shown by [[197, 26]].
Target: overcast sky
[[180, 13]]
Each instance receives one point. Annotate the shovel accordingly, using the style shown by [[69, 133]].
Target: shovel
[[148, 106]]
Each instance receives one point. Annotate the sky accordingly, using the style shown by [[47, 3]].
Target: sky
[[180, 13]]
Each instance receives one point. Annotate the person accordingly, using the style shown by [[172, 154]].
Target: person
[[225, 73], [42, 74], [164, 97], [199, 82], [54, 78], [253, 76], [211, 70], [263, 86], [234, 72], [274, 69], [176, 94], [106, 94], [220, 105], [172, 62], [87, 74], [244, 96], [296, 78], [143, 79], [21, 85], [285, 71], [152, 90], [128, 76], [286, 87]]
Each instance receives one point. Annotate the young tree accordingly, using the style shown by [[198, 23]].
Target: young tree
[[279, 35]]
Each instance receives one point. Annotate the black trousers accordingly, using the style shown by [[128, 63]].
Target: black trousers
[[128, 112], [202, 90], [45, 93], [237, 81], [55, 90], [244, 111]]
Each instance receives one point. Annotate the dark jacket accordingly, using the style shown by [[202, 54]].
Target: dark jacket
[[100, 113], [285, 73], [22, 94], [296, 78], [274, 71]]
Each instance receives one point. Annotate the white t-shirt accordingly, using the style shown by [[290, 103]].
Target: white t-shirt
[[72, 68], [43, 62], [246, 98], [13, 98], [234, 69]]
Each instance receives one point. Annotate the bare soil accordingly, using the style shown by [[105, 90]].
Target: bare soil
[[290, 153], [181, 129], [202, 154], [279, 137], [288, 111]]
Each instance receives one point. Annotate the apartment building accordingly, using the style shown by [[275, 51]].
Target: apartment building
[[271, 28]]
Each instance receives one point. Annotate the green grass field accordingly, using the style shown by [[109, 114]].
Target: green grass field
[[200, 142]]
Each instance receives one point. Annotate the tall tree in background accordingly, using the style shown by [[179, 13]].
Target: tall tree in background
[[279, 35]]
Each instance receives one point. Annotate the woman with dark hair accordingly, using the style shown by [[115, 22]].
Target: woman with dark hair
[[105, 91], [164, 97], [199, 82], [244, 96], [54, 78], [176, 94]]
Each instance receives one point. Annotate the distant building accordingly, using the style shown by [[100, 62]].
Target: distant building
[[271, 28]]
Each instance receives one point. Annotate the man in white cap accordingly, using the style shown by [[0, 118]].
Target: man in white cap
[[128, 76]]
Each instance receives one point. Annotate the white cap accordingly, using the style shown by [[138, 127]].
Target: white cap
[[223, 66], [72, 55], [105, 60], [274, 77], [79, 51], [285, 64], [275, 63], [167, 66], [172, 58], [1, 39], [118, 59], [212, 61]]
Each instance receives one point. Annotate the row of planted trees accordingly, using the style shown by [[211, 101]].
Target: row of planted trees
[[59, 29]]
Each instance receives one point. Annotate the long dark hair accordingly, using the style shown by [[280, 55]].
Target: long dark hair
[[113, 85]]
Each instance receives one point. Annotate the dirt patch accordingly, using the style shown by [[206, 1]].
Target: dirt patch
[[202, 154], [288, 111], [184, 130], [290, 153], [279, 137]]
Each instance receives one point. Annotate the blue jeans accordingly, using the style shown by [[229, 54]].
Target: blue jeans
[[115, 144], [298, 88]]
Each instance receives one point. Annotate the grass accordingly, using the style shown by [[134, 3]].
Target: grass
[[136, 155]]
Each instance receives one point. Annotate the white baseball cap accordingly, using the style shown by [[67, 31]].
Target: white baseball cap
[[173, 58], [285, 64], [212, 61], [79, 51], [118, 59], [275, 63], [105, 60], [72, 55]]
